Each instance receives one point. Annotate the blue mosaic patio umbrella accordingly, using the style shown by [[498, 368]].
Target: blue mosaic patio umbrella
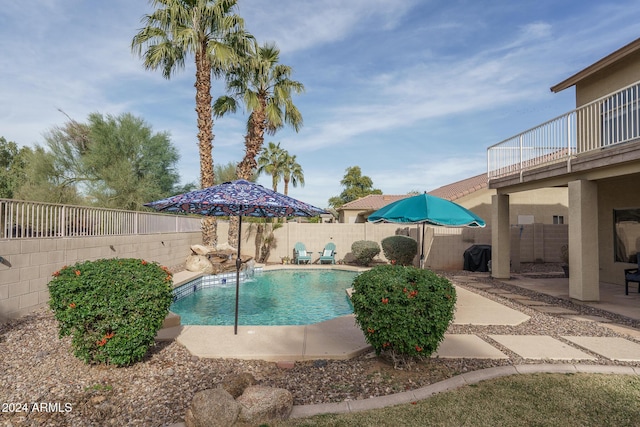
[[427, 209], [237, 198]]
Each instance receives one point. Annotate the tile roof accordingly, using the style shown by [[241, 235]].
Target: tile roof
[[450, 192], [372, 201], [461, 188]]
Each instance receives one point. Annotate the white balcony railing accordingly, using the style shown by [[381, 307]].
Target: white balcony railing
[[21, 219], [610, 120]]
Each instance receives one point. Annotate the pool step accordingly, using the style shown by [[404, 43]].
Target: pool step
[[171, 320], [170, 328]]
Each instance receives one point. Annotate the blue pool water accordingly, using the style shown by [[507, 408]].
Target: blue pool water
[[280, 297]]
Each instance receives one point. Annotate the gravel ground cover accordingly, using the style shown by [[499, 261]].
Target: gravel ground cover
[[42, 383]]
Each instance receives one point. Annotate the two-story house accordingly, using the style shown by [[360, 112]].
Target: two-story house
[[594, 151]]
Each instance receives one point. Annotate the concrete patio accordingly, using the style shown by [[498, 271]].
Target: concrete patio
[[341, 338]]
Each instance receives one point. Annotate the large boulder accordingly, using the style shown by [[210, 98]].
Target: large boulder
[[235, 385], [199, 264], [224, 247], [212, 408], [260, 404], [201, 250]]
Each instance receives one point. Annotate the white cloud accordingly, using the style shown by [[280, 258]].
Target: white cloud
[[299, 25], [413, 91]]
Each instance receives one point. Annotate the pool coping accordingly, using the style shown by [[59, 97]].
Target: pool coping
[[338, 338], [182, 277]]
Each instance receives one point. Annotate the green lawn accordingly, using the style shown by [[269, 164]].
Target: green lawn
[[519, 400]]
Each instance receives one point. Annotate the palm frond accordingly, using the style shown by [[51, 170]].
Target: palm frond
[[224, 105]]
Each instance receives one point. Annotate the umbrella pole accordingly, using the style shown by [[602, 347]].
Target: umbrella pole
[[238, 264], [422, 248]]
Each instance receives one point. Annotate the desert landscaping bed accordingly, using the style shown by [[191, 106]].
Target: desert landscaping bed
[[38, 368]]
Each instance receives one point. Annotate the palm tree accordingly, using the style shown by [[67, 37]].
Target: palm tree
[[292, 172], [215, 36], [271, 162], [264, 87]]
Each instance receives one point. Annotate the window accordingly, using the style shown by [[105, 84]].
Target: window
[[558, 219], [620, 116], [626, 239]]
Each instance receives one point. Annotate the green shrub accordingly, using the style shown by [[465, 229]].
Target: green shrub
[[112, 308], [403, 311], [399, 249], [364, 251]]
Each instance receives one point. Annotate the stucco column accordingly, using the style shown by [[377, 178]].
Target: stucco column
[[584, 265], [500, 237]]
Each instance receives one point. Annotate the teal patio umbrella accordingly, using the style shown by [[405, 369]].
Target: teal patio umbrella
[[427, 209]]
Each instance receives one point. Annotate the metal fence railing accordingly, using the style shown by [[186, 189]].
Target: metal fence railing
[[610, 120], [23, 219]]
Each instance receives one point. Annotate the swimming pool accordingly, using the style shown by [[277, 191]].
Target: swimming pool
[[279, 297]]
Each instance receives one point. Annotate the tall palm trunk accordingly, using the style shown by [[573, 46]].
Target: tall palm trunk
[[253, 144], [205, 136], [253, 141]]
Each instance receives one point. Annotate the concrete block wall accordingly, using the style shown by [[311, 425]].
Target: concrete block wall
[[540, 242], [29, 263], [448, 245], [316, 236], [444, 248]]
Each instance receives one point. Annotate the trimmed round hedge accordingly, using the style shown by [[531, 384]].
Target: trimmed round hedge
[[404, 311], [112, 308], [364, 251], [399, 249]]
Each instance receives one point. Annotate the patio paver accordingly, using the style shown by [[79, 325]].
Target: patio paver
[[531, 302], [467, 346], [553, 309], [475, 309], [613, 348], [541, 347]]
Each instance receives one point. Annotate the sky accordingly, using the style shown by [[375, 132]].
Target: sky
[[411, 91]]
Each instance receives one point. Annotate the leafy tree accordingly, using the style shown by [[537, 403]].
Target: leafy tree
[[292, 173], [227, 173], [115, 162], [271, 162], [46, 180], [189, 186], [211, 32], [356, 186], [55, 175], [128, 165], [12, 167]]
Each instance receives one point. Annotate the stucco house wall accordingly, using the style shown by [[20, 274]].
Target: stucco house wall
[[601, 173], [349, 216], [613, 194], [539, 205], [621, 74]]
